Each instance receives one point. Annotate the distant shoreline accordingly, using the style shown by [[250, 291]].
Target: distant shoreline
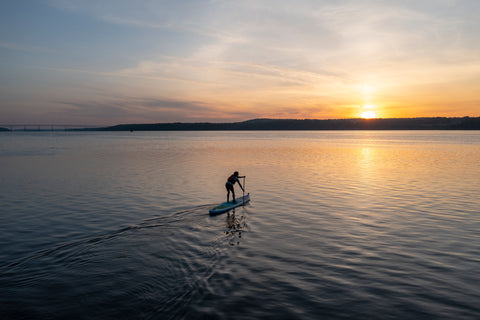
[[433, 123], [465, 123]]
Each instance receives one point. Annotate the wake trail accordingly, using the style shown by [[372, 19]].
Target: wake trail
[[171, 221]]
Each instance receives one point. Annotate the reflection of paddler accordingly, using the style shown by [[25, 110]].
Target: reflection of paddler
[[229, 185], [235, 226], [232, 223]]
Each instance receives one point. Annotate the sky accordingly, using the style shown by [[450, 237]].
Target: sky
[[105, 62]]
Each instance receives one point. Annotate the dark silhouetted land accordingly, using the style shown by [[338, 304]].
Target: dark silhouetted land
[[439, 123]]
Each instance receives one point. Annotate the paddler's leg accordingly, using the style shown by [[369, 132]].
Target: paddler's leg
[[228, 191]]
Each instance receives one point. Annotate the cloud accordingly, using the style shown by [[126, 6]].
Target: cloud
[[143, 14], [140, 110], [310, 35], [219, 72]]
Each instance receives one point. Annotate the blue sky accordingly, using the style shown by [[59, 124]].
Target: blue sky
[[109, 62]]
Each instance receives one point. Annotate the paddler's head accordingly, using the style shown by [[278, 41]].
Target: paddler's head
[[235, 173]]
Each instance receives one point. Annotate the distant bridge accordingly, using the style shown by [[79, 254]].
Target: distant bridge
[[45, 127]]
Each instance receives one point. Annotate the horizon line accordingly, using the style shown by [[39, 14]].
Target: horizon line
[[218, 122]]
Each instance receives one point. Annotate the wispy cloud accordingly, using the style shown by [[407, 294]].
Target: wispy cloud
[[124, 109]]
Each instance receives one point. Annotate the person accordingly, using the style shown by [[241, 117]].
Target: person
[[229, 185]]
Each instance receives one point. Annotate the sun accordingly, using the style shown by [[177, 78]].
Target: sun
[[368, 115]]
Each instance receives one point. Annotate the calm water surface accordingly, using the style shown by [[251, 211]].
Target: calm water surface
[[342, 225]]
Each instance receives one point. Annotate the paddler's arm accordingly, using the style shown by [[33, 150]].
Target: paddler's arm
[[241, 185]]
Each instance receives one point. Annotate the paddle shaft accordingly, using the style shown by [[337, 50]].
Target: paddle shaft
[[243, 190]]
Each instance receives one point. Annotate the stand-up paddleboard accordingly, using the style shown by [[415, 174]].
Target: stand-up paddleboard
[[224, 207]]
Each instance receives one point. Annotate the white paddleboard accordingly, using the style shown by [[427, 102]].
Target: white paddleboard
[[224, 207]]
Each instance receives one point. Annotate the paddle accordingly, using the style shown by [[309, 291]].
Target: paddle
[[243, 204]]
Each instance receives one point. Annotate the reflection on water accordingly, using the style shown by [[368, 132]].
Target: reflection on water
[[345, 225], [235, 226]]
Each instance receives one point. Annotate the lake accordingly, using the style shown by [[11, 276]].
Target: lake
[[341, 225]]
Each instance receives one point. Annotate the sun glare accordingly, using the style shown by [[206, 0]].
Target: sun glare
[[368, 115]]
